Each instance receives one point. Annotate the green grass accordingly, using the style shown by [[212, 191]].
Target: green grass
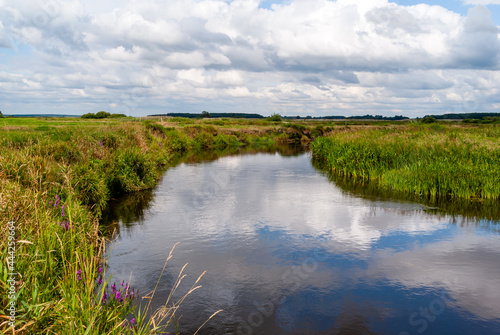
[[427, 160]]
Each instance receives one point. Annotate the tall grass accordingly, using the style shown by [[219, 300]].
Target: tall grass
[[431, 161]]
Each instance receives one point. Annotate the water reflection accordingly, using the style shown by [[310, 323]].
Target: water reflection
[[288, 252], [472, 209]]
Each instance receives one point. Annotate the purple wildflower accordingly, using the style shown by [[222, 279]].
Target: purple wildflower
[[113, 288], [99, 270], [56, 203], [104, 297], [62, 211], [66, 225], [78, 275], [50, 203], [100, 143], [118, 296], [99, 281]]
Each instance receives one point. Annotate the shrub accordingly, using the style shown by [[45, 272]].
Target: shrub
[[275, 117], [117, 115], [428, 119]]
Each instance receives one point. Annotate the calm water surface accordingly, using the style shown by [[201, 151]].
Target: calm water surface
[[288, 252]]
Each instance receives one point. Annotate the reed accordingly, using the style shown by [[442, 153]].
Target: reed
[[428, 160]]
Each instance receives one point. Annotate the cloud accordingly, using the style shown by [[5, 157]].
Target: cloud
[[455, 265], [331, 55], [478, 44]]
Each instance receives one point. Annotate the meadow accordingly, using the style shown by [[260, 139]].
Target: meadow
[[433, 161], [56, 177]]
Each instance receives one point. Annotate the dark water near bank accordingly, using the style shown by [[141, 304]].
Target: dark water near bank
[[287, 251]]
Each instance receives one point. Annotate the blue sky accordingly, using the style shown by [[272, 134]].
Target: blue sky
[[293, 57]]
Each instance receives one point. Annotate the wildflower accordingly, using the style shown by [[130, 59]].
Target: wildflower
[[104, 298], [99, 270], [113, 288], [118, 296], [50, 203], [65, 224], [100, 143], [62, 211], [56, 203], [78, 275], [133, 321], [99, 281]]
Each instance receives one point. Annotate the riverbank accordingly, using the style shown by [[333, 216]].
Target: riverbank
[[432, 161], [56, 177]]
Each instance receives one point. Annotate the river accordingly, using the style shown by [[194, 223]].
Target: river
[[287, 251]]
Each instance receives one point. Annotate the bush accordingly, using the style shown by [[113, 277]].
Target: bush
[[88, 116], [117, 115], [102, 115], [274, 117], [428, 119], [1, 115]]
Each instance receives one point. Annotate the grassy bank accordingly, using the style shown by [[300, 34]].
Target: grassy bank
[[426, 160], [56, 177]]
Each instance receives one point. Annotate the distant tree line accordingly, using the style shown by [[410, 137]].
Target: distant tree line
[[101, 115], [206, 114], [357, 117], [466, 117], [462, 116]]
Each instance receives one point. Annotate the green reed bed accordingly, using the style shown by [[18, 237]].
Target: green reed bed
[[435, 161]]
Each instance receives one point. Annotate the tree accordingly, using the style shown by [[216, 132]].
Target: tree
[[205, 114], [102, 115], [1, 115]]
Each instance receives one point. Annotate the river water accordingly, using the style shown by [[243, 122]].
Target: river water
[[287, 251]]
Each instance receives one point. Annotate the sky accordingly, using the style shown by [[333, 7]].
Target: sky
[[292, 57]]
